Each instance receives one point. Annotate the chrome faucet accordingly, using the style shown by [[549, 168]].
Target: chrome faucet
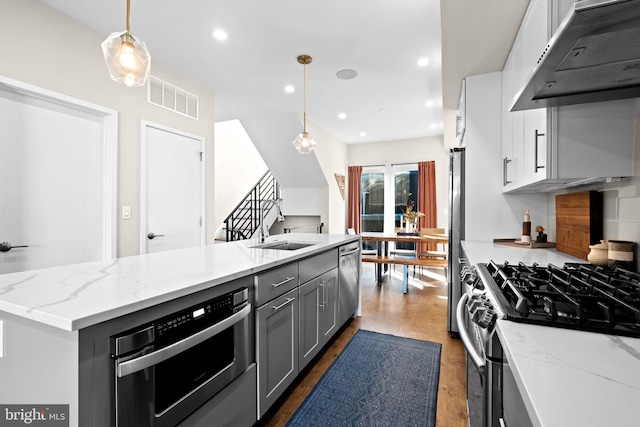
[[263, 203]]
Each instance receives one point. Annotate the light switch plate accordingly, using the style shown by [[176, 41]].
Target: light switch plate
[[1, 339], [126, 212]]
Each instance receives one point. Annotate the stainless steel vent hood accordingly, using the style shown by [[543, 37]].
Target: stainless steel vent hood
[[593, 56]]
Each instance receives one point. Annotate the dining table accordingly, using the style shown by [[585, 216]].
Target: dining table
[[382, 244]]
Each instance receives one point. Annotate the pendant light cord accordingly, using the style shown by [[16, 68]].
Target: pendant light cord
[[304, 106]]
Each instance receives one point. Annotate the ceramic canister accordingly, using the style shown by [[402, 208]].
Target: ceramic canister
[[620, 253], [599, 254]]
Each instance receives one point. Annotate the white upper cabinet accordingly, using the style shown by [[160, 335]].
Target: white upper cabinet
[[546, 149]]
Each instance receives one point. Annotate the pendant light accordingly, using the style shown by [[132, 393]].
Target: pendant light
[[127, 58], [304, 143]]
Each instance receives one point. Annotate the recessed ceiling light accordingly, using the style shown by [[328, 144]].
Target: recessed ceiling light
[[347, 74], [289, 89], [432, 126], [342, 116], [363, 133], [220, 35], [423, 62], [429, 104], [382, 110]]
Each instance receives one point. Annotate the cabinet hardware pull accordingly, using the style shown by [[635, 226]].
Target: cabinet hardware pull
[[537, 134], [322, 297], [505, 181], [458, 131], [288, 279], [283, 304], [325, 295]]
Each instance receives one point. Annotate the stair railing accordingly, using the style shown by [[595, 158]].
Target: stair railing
[[244, 220]]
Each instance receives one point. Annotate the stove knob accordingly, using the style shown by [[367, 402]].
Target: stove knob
[[487, 319]]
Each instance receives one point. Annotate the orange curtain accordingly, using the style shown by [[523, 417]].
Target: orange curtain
[[427, 198], [354, 212]]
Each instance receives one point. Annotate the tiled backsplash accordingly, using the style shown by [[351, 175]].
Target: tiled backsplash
[[621, 211]]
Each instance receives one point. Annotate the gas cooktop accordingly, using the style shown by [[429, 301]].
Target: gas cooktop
[[576, 296]]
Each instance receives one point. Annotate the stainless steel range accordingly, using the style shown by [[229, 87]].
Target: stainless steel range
[[575, 296]]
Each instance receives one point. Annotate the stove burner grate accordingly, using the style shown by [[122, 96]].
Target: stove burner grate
[[576, 296]]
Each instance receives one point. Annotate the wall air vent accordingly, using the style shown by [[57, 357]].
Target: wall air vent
[[172, 98]]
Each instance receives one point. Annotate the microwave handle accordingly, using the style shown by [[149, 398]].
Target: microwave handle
[[151, 359], [478, 360]]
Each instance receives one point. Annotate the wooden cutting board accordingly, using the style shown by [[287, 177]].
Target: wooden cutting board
[[578, 222]]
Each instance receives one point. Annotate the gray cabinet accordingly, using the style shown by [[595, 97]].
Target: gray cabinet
[[277, 348], [318, 314]]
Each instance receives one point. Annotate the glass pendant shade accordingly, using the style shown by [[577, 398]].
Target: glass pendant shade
[[304, 143], [127, 58]]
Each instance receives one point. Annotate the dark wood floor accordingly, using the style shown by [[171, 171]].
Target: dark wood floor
[[420, 314]]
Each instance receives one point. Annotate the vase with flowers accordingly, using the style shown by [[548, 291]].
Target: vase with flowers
[[542, 237], [411, 219]]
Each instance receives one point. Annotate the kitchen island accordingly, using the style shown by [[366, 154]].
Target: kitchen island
[[45, 314], [565, 377]]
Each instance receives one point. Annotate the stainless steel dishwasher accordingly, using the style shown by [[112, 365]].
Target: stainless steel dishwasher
[[349, 281]]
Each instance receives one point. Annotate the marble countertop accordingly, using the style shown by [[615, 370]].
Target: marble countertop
[[566, 377], [80, 295]]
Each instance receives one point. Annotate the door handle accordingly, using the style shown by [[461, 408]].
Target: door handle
[[6, 246], [152, 236]]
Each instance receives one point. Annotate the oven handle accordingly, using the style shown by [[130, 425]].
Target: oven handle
[[151, 359], [464, 335]]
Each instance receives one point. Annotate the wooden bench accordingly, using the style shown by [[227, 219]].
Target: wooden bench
[[426, 262], [406, 262]]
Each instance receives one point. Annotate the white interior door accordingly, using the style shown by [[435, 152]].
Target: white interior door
[[54, 161], [172, 189]]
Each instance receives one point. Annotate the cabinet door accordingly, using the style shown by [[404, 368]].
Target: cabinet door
[[277, 348], [536, 32], [329, 318], [517, 117], [318, 314], [507, 124], [310, 312], [536, 140]]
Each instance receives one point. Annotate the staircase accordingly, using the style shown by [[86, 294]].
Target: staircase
[[244, 220]]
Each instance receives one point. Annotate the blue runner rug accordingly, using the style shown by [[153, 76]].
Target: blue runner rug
[[378, 380]]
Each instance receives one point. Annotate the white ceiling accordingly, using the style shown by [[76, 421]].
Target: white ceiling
[[381, 39]]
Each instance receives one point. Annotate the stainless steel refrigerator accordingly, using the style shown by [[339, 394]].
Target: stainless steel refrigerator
[[456, 235]]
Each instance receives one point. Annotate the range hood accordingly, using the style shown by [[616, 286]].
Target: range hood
[[593, 56]]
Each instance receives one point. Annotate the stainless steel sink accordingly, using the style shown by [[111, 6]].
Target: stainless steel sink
[[283, 246]]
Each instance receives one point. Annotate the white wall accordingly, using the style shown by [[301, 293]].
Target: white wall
[[238, 167], [332, 157], [45, 48], [406, 151]]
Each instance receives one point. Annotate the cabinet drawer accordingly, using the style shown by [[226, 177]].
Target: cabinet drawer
[[276, 282], [313, 267]]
